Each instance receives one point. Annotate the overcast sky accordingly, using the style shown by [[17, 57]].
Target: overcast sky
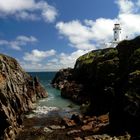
[[46, 35]]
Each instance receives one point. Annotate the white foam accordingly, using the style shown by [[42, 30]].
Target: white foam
[[30, 115], [44, 110], [46, 99], [42, 100], [50, 98]]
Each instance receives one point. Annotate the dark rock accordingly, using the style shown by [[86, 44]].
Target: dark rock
[[87, 127], [68, 122], [40, 91], [127, 101], [77, 118], [103, 118], [62, 77], [109, 79], [18, 92]]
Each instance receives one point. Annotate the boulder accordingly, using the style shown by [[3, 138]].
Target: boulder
[[68, 122]]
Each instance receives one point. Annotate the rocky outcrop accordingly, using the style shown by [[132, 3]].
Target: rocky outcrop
[[18, 92], [92, 78], [110, 78], [70, 89], [61, 77]]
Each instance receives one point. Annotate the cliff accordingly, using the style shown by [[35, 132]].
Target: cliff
[[18, 92], [110, 81]]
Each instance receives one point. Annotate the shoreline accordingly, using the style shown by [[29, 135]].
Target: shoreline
[[78, 127]]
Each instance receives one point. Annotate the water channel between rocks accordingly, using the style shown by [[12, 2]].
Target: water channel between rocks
[[49, 111], [54, 102]]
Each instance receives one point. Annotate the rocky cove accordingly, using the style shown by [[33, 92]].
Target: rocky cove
[[104, 82]]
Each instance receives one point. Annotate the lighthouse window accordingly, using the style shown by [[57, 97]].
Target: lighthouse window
[[115, 31]]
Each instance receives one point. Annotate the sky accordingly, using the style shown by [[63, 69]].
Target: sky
[[47, 35]]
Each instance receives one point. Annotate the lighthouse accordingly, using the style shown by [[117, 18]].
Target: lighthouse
[[117, 33]]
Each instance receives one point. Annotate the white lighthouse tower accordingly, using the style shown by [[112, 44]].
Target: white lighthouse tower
[[117, 33]]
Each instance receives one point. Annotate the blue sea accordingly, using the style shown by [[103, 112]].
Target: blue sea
[[54, 101]]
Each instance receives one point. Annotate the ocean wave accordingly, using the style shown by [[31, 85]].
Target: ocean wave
[[46, 99], [43, 100], [44, 110]]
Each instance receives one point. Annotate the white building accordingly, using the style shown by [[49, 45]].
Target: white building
[[117, 33]]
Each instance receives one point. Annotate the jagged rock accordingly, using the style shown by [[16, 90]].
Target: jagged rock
[[18, 92], [40, 91], [77, 118], [90, 118], [70, 89], [87, 127], [62, 77], [74, 91], [68, 122], [103, 118]]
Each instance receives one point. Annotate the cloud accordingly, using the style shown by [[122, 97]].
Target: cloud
[[80, 36], [36, 60], [32, 66], [85, 35], [130, 29], [28, 10], [95, 34], [129, 17], [19, 42], [49, 12], [24, 39], [37, 55], [126, 6], [64, 60], [26, 16], [101, 29], [92, 34]]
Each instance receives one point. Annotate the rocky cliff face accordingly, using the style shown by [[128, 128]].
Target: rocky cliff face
[[18, 92], [70, 88], [111, 79]]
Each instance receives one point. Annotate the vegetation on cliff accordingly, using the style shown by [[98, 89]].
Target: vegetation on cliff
[[110, 78]]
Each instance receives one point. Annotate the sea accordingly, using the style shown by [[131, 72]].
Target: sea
[[54, 102]]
